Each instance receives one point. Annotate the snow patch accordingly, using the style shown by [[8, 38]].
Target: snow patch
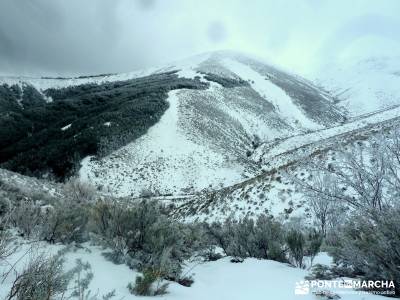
[[278, 97], [66, 127]]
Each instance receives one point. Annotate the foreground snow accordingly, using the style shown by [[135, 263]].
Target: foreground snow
[[253, 279]]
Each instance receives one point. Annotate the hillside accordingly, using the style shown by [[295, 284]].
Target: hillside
[[177, 129], [47, 132], [205, 138], [273, 191]]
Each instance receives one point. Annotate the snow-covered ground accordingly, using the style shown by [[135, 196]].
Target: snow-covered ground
[[219, 280]]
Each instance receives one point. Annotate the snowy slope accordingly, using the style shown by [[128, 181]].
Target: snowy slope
[[204, 139], [220, 280], [273, 191], [24, 185], [267, 152], [290, 112], [363, 85], [163, 159]]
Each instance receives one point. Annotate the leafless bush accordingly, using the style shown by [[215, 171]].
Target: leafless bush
[[366, 179], [26, 216], [6, 247], [42, 278], [64, 221], [79, 190]]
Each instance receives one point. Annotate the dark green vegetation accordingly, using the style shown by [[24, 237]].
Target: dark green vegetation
[[226, 82], [31, 139]]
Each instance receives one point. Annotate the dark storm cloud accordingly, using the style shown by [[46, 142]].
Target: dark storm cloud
[[60, 37]]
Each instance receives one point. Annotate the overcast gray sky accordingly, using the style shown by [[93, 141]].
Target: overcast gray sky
[[60, 37]]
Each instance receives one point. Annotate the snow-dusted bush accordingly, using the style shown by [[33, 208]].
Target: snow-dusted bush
[[263, 238], [370, 246], [54, 221], [269, 235], [6, 249], [5, 238], [5, 208], [78, 190], [45, 278], [81, 277], [64, 221], [142, 235], [366, 179], [296, 245], [321, 272], [148, 284], [323, 205], [26, 216], [42, 278], [314, 241]]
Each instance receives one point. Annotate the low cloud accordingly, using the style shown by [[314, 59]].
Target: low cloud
[[86, 37]]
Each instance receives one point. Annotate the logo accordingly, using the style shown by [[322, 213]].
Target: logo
[[319, 287], [302, 288]]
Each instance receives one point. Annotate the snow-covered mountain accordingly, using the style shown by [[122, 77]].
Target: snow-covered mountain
[[221, 119], [205, 138]]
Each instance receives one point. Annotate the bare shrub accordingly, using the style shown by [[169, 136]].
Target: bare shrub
[[64, 221], [6, 247], [79, 190], [26, 216], [43, 278]]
